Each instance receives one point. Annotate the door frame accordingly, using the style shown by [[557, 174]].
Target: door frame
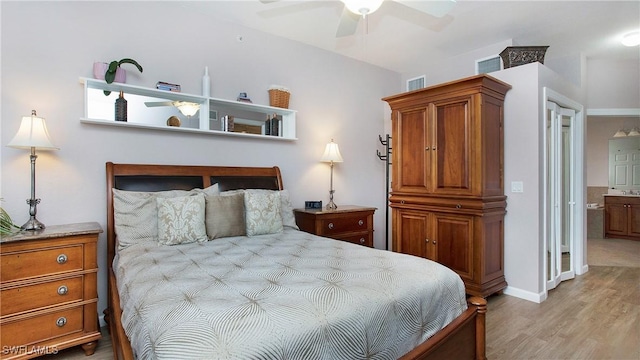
[[578, 250]]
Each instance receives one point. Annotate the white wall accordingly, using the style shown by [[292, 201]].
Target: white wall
[[613, 84], [47, 46]]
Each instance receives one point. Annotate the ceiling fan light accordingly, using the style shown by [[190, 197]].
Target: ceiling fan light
[[631, 39], [362, 7], [187, 108]]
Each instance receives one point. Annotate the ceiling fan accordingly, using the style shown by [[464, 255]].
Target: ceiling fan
[[354, 10], [185, 107]]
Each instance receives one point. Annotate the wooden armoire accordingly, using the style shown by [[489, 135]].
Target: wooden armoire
[[447, 189]]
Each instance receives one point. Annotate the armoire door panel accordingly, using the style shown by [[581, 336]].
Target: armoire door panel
[[412, 236], [454, 242], [452, 147], [412, 130]]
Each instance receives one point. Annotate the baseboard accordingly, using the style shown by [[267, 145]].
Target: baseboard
[[525, 295]]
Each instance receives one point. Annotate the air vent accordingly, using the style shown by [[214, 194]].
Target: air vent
[[416, 83], [488, 65]]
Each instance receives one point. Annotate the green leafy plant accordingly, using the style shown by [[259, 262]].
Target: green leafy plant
[[6, 224], [110, 74]]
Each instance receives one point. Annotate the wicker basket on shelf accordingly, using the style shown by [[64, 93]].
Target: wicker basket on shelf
[[279, 97]]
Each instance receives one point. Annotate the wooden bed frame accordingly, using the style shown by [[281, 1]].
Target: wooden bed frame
[[463, 338]]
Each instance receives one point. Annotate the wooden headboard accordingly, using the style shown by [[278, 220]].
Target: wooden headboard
[[140, 177]]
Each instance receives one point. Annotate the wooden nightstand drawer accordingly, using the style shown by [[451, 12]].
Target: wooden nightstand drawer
[[42, 327], [349, 223], [28, 264], [365, 239], [346, 223], [33, 297]]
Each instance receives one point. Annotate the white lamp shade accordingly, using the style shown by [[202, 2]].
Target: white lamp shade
[[32, 134], [634, 132], [331, 153], [620, 133], [188, 108], [362, 7]]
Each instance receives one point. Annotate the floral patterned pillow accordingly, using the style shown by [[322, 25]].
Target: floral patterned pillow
[[262, 212], [181, 220]]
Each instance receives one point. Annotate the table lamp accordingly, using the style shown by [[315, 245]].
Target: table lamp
[[32, 135], [331, 155]]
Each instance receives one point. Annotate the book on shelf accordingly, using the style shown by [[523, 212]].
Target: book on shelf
[[161, 85], [227, 123], [273, 125], [243, 97]]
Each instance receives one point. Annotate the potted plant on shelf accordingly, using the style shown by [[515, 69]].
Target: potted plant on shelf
[[112, 71]]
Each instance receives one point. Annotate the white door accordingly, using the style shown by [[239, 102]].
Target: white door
[[560, 194]]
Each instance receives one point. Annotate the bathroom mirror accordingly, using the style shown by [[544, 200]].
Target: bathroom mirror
[[624, 163]]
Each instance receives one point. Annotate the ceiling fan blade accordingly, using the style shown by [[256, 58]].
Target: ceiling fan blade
[[158, 103], [348, 23], [437, 8]]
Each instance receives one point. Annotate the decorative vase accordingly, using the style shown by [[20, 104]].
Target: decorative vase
[[519, 55], [121, 108], [100, 68]]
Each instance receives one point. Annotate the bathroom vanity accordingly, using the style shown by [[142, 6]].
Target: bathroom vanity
[[622, 216]]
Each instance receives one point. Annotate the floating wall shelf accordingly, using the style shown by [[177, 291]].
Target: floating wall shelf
[[249, 118]]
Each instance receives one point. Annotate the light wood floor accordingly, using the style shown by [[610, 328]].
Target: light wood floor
[[594, 316]]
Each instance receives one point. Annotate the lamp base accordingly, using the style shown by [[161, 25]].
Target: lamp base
[[32, 225], [331, 205]]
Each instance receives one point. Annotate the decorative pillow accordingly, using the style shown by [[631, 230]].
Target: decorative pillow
[[224, 215], [136, 215], [262, 212], [181, 220], [286, 210]]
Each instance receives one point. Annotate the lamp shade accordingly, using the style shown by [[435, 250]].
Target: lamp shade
[[634, 132], [331, 153], [362, 7], [620, 133], [188, 108], [32, 134]]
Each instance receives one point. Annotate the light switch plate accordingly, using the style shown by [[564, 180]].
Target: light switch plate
[[517, 187]]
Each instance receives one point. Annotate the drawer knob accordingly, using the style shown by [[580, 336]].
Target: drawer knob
[[330, 225], [62, 321], [434, 242], [62, 258], [361, 240], [458, 206], [360, 222], [63, 290]]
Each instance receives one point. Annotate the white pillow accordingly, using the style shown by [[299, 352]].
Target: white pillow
[[181, 219], [262, 212], [286, 210]]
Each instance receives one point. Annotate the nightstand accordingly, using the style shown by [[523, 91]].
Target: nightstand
[[49, 293], [349, 223]]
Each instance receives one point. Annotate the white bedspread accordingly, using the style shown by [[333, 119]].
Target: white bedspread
[[285, 296]]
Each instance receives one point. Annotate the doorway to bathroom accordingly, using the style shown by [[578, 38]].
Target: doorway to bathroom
[[564, 190]]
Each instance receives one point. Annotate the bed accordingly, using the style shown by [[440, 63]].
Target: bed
[[301, 318]]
